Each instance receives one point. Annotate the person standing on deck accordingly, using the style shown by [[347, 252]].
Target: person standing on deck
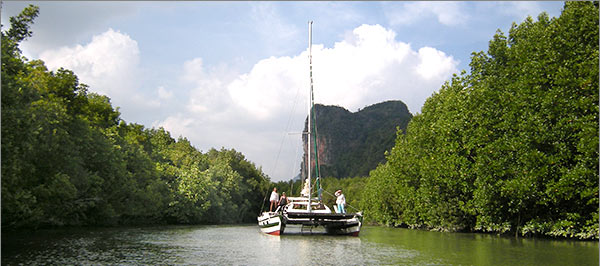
[[274, 199], [340, 201], [283, 200]]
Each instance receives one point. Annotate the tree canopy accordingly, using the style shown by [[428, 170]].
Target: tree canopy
[[69, 159], [511, 146]]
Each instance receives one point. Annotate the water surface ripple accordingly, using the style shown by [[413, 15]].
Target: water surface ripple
[[246, 245]]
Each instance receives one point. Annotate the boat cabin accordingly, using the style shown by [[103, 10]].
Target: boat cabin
[[300, 205]]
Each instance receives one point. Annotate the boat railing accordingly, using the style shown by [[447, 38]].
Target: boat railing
[[305, 203], [303, 200]]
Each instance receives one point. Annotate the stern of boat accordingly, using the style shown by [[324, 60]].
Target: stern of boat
[[350, 226]]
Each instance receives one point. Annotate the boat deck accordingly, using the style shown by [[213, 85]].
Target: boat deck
[[331, 220], [328, 216]]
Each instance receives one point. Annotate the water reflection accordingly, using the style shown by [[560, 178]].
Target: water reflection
[[245, 245], [485, 249]]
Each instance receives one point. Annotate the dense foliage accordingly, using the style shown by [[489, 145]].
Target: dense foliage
[[510, 147], [68, 159], [352, 144]]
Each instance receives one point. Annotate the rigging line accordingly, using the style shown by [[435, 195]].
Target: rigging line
[[263, 203], [318, 170], [295, 162], [319, 185], [312, 115], [287, 128]]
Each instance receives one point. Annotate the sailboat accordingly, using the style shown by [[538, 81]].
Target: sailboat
[[308, 214]]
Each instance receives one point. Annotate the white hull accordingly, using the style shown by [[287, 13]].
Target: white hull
[[296, 219], [271, 223]]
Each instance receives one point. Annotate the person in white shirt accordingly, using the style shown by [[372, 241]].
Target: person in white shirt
[[274, 199], [340, 201]]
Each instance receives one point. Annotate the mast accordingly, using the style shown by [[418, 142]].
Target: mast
[[310, 100]]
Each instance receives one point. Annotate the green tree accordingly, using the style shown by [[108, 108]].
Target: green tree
[[69, 159], [511, 146]]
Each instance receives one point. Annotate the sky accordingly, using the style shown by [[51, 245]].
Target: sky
[[236, 74]]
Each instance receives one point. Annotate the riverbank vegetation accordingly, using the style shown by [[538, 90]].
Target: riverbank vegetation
[[511, 146], [69, 159]]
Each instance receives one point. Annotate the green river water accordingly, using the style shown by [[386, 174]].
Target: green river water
[[246, 245]]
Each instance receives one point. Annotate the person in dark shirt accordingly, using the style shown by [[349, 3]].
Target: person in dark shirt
[[283, 200]]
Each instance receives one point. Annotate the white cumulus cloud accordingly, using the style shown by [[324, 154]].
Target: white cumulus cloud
[[249, 111], [109, 64], [208, 92], [434, 64], [369, 67]]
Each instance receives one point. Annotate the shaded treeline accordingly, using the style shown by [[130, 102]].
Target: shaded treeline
[[68, 158], [511, 146]]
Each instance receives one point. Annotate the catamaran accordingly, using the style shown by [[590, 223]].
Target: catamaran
[[308, 214]]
